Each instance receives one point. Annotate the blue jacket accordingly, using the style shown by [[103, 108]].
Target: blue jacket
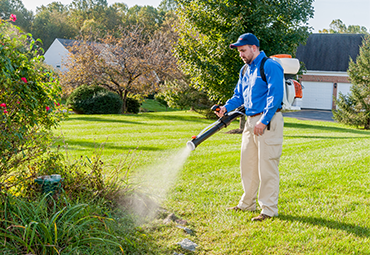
[[256, 95]]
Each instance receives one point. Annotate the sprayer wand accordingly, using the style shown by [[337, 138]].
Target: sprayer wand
[[221, 123]]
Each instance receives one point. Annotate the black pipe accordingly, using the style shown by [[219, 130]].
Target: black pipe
[[221, 123]]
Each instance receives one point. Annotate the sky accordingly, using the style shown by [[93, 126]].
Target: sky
[[351, 12]]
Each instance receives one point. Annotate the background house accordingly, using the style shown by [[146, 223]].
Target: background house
[[57, 52], [326, 58]]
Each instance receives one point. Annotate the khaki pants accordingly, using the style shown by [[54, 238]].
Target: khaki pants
[[259, 162]]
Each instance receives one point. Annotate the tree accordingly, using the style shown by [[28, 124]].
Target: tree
[[354, 108], [338, 27], [52, 21], [129, 64], [146, 17], [16, 7], [107, 18], [167, 5], [208, 27]]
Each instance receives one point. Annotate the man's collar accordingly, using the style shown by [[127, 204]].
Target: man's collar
[[260, 56]]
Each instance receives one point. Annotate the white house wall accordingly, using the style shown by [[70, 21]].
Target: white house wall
[[55, 55]]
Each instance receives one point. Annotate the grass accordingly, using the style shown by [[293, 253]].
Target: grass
[[44, 228], [152, 105], [324, 184]]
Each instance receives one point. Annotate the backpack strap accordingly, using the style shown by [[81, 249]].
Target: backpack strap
[[262, 69]]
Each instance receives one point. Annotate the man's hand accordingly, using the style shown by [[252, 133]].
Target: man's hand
[[259, 128], [221, 112]]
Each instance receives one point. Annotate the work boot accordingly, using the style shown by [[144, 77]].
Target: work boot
[[261, 217], [235, 208]]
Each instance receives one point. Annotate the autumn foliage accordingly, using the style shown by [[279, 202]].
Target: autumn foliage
[[129, 64]]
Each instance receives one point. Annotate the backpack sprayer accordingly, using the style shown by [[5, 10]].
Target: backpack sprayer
[[221, 123], [291, 100]]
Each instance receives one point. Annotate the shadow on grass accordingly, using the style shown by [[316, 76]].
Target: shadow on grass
[[326, 128], [326, 137], [150, 116], [350, 228], [99, 119], [72, 145], [199, 119]]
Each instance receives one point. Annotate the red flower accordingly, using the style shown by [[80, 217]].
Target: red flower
[[5, 111], [24, 80], [47, 108], [13, 17], [18, 102], [3, 105]]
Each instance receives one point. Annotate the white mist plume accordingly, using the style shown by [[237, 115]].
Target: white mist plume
[[155, 183]]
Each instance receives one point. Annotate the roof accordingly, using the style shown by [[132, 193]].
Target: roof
[[329, 52], [66, 42]]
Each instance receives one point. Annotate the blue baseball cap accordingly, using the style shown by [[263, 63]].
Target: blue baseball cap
[[246, 39]]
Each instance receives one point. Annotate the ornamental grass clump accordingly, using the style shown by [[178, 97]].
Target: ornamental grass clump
[[43, 226]]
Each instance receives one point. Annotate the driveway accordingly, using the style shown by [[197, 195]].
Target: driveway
[[309, 114]]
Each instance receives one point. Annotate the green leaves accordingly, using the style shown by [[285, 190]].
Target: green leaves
[[28, 89], [207, 28]]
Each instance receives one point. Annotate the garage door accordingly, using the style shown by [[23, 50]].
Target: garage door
[[344, 88], [317, 95]]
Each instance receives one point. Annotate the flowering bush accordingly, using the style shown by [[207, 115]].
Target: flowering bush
[[29, 95]]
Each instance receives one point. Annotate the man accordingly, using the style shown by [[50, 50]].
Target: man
[[262, 138]]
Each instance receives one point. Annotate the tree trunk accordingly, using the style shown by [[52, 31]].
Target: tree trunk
[[124, 99], [367, 124]]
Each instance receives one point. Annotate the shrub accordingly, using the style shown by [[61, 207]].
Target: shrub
[[179, 94], [29, 99], [94, 100], [87, 178], [133, 105]]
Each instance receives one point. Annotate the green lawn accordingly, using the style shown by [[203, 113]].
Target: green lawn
[[324, 203]]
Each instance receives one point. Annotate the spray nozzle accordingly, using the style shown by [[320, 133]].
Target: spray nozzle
[[193, 137], [190, 145]]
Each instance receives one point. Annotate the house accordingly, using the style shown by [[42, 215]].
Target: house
[[326, 58], [58, 52]]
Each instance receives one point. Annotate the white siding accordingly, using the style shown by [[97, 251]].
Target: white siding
[[317, 95], [56, 54]]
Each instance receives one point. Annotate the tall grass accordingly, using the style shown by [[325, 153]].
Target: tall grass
[[324, 184], [47, 227]]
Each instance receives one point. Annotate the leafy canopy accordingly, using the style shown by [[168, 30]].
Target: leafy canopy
[[338, 27], [207, 28]]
